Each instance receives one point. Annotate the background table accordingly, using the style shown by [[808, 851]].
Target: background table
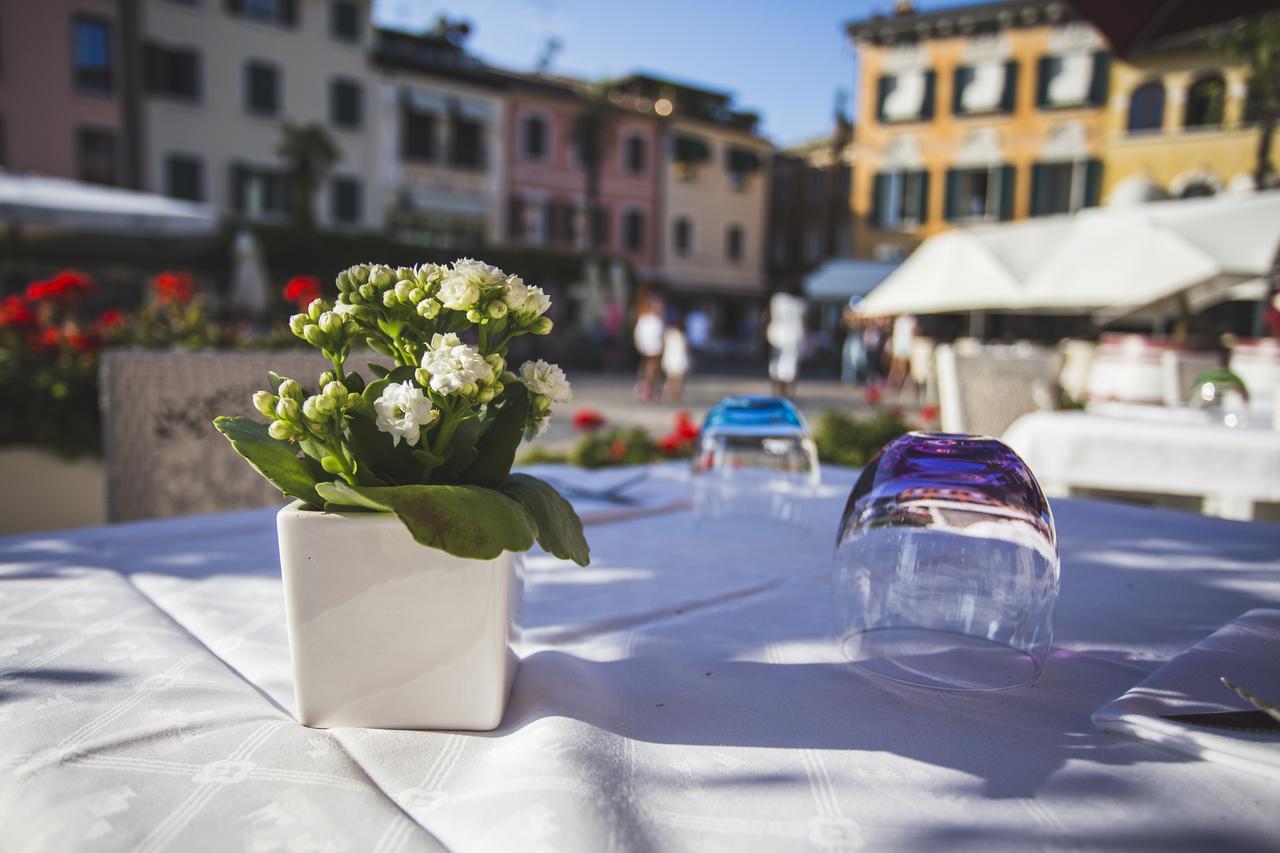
[[680, 693], [1148, 449]]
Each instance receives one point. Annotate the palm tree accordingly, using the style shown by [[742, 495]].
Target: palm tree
[[309, 154], [1255, 42]]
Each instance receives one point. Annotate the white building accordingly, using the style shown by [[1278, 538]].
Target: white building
[[219, 79]]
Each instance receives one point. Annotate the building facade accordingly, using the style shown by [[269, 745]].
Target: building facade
[[65, 81], [547, 181], [1179, 123], [220, 79], [974, 114], [809, 216]]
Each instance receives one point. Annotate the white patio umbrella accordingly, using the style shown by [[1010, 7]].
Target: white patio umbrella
[[35, 202]]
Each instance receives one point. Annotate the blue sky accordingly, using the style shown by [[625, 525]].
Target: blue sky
[[784, 58]]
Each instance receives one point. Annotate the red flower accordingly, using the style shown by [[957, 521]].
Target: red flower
[[172, 288], [586, 420], [686, 429], [929, 414], [302, 290], [112, 318], [872, 394], [16, 313], [63, 286], [46, 339], [618, 450], [670, 443], [80, 342]]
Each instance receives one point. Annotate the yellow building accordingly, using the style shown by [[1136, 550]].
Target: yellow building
[[974, 114], [1177, 124]]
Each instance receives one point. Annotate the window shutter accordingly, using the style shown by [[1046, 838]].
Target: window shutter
[[237, 188], [1101, 78], [1092, 182], [957, 89], [875, 214], [1009, 97], [952, 195], [1042, 81], [930, 84], [923, 205], [1008, 177], [515, 219], [289, 11], [882, 91], [1037, 189]]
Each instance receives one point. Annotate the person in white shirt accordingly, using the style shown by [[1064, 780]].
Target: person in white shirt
[[785, 334], [675, 358], [648, 334]]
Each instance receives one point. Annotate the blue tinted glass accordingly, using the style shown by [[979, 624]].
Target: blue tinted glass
[[754, 415]]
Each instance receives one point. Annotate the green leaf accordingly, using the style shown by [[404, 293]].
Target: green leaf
[[461, 451], [496, 449], [559, 528], [276, 460], [377, 369], [338, 495], [466, 521], [274, 379]]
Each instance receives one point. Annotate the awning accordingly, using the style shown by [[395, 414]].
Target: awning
[[841, 280], [30, 202]]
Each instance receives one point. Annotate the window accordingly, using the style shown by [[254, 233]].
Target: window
[[91, 55], [418, 135], [635, 155], [344, 21], [345, 103], [599, 228], [733, 243], [466, 143], [813, 248], [1072, 80], [184, 177], [1064, 187], [905, 97], [988, 87], [533, 138], [984, 193], [259, 193], [528, 221], [171, 72], [1146, 107], [633, 236], [284, 12], [345, 201], [900, 199], [562, 223], [1204, 102], [682, 236], [261, 88], [96, 156]]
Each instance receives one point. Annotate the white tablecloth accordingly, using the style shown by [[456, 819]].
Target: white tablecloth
[[681, 693], [1232, 469]]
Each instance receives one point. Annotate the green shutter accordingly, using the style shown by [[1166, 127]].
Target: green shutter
[[930, 85], [1092, 182], [1008, 181], [957, 88], [1037, 189], [1009, 97], [882, 91], [1101, 81], [949, 205], [875, 215], [1042, 81], [924, 197]]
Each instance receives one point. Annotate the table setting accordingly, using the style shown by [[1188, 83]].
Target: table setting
[[747, 651]]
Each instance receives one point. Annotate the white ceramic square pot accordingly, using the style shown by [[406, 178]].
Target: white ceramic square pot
[[386, 633]]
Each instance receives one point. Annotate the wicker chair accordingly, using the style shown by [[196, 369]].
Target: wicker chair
[[984, 393], [163, 456]]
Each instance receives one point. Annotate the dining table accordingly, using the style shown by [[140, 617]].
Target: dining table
[[682, 692]]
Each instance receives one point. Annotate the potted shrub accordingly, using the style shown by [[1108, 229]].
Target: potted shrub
[[401, 551]]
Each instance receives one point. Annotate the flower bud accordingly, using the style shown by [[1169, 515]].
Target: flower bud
[[429, 308], [316, 308], [311, 409], [265, 402], [417, 294], [497, 309], [287, 409], [298, 322], [290, 388], [496, 362], [325, 405], [360, 272], [542, 327], [336, 390], [389, 298], [402, 290], [487, 394], [380, 277], [313, 335], [469, 390], [344, 281], [326, 378], [330, 323], [405, 272], [280, 430], [475, 316], [368, 292], [423, 377]]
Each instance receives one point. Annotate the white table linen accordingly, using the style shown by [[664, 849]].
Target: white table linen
[[1247, 651], [680, 693], [1232, 469]]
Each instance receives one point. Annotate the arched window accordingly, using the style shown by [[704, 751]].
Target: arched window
[[635, 154], [533, 141], [1146, 107], [682, 236], [1204, 102], [1198, 189]]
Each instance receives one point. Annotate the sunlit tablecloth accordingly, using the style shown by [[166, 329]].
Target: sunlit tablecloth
[[1146, 449], [681, 693]]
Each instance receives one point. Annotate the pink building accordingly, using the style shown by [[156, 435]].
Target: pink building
[[546, 183], [62, 85]]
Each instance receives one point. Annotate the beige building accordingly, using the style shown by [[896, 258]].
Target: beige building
[[974, 114], [221, 78]]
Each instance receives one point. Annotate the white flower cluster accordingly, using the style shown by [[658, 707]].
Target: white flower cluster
[[451, 367], [547, 384], [403, 411]]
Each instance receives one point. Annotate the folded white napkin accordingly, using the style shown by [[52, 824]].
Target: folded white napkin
[[1247, 651]]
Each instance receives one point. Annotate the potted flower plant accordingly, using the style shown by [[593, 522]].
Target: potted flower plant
[[401, 550]]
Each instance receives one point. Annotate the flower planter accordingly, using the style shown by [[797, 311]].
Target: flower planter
[[387, 633]]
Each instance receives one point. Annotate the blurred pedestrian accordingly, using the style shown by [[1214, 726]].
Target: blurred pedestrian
[[853, 361], [904, 334], [675, 357], [785, 334], [648, 334]]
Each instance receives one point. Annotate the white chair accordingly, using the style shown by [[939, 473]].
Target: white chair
[[984, 393]]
